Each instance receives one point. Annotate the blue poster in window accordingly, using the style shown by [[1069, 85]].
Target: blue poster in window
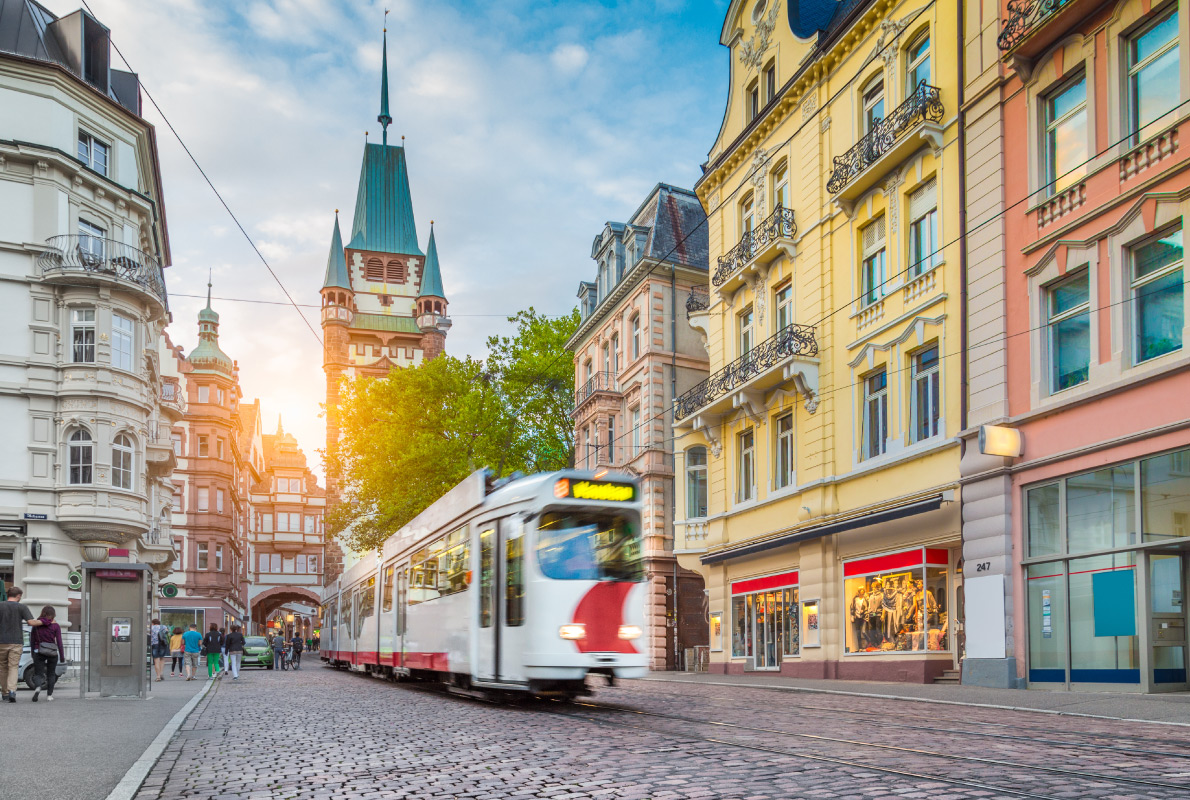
[[1115, 602]]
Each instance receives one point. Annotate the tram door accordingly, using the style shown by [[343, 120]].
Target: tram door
[[501, 601]]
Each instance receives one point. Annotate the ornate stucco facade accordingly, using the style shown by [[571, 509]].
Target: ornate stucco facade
[[85, 461], [633, 353], [824, 440]]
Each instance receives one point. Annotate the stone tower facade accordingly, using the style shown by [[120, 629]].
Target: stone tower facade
[[383, 303]]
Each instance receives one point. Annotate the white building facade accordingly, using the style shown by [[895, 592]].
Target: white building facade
[[85, 458]]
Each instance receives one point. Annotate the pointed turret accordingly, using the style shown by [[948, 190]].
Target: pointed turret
[[431, 282], [207, 357], [431, 304], [384, 119], [337, 276]]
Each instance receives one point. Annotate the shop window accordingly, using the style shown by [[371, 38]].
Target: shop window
[[1047, 622], [1165, 496], [1044, 524], [746, 466], [918, 71], [897, 602], [81, 457], [765, 622], [1066, 135], [925, 251], [1153, 75], [696, 482], [783, 450], [1069, 327], [82, 335], [1101, 509], [1104, 647], [122, 342], [8, 567], [1158, 296], [122, 454], [875, 419], [873, 268], [926, 400]]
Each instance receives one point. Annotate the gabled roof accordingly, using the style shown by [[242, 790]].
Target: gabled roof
[[431, 277], [383, 206], [336, 262]]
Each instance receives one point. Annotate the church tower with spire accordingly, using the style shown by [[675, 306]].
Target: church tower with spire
[[383, 303]]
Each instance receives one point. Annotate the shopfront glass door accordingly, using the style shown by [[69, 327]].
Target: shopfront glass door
[[767, 624], [1167, 581]]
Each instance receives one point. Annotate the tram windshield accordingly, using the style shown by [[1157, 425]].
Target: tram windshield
[[588, 547]]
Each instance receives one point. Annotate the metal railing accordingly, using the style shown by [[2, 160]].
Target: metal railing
[[91, 254], [599, 382], [790, 340], [925, 104], [699, 300], [1023, 17], [172, 395], [778, 225]]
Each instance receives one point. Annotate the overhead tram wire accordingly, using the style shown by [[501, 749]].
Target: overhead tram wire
[[223, 202]]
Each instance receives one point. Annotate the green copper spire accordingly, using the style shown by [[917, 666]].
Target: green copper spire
[[207, 357], [431, 280], [384, 119], [336, 262]]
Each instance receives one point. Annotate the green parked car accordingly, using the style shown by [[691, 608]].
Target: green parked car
[[257, 652]]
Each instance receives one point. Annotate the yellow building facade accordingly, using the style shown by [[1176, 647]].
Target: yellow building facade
[[817, 467]]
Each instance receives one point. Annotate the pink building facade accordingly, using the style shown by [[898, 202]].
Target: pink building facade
[[1076, 545]]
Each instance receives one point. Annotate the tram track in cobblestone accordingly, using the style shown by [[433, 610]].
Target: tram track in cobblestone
[[878, 718], [1182, 789]]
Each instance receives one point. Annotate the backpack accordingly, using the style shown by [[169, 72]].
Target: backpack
[[163, 636]]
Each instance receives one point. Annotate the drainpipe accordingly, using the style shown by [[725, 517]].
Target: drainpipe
[[963, 368], [673, 460]]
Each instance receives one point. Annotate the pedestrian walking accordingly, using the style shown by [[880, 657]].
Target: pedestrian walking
[[223, 652], [176, 647], [234, 647], [12, 614], [296, 646], [212, 645], [192, 647], [45, 643], [159, 646], [278, 651]]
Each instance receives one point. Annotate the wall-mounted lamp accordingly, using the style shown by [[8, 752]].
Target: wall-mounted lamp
[[999, 440]]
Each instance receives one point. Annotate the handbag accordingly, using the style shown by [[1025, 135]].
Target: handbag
[[47, 648]]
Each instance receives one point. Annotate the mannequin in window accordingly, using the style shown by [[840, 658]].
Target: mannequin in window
[[875, 621], [859, 620]]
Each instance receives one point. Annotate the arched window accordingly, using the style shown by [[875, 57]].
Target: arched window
[[396, 272], [374, 270], [917, 64], [696, 482], [437, 307], [80, 457], [872, 102], [122, 462]]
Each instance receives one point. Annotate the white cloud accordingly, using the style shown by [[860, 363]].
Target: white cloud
[[570, 58]]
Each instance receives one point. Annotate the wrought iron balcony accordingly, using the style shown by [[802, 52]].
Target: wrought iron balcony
[[924, 105], [792, 340], [173, 397], [778, 225], [74, 256], [599, 382], [698, 300], [1024, 17]]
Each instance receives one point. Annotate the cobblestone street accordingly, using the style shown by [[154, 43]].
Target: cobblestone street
[[319, 733]]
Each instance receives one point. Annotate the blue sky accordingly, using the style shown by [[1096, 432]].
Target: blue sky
[[529, 124]]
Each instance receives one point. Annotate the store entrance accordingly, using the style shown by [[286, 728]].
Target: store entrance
[[766, 625], [1167, 631]]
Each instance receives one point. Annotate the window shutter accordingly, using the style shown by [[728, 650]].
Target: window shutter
[[922, 200], [874, 236]]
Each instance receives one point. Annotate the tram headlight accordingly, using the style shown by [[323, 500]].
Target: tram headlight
[[630, 632], [575, 630]]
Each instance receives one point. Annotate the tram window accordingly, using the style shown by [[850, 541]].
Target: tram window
[[357, 604], [368, 601], [454, 572], [591, 547], [514, 582], [402, 598], [386, 602], [486, 544]]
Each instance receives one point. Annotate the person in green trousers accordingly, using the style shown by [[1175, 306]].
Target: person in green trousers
[[212, 645]]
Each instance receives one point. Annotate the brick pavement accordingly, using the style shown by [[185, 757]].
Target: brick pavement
[[318, 733]]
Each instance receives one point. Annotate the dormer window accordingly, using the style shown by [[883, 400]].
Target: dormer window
[[93, 153]]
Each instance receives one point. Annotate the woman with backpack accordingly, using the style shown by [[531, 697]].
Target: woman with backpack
[[45, 642], [159, 646], [212, 645]]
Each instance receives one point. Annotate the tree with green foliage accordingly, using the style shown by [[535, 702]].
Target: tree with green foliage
[[410, 437]]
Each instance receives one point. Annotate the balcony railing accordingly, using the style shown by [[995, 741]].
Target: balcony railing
[[92, 255], [1024, 16], [792, 340], [173, 396], [599, 382], [778, 225], [925, 104], [698, 300]]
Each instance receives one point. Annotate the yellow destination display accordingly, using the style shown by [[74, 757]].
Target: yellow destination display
[[595, 490]]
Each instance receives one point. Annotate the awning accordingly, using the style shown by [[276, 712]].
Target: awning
[[932, 503]]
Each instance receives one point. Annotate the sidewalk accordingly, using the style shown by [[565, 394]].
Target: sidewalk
[[81, 748], [1169, 708]]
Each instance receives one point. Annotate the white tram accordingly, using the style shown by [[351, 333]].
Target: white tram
[[526, 585]]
